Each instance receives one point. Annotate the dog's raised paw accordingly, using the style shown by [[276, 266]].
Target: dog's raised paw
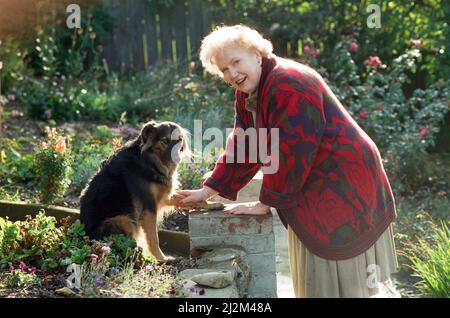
[[215, 206]]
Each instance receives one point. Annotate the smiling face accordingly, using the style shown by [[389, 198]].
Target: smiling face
[[241, 67]]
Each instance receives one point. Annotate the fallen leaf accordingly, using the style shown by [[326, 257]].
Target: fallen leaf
[[65, 291]]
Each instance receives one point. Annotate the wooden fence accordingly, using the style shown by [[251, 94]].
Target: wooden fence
[[142, 36]]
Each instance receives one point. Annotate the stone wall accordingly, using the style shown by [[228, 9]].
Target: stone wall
[[254, 235]]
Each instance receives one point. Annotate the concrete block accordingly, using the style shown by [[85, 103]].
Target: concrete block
[[263, 284], [262, 262], [251, 243], [218, 223]]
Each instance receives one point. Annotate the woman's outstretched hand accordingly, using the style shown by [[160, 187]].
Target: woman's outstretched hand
[[252, 208], [194, 196]]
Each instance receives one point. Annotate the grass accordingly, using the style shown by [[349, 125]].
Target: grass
[[430, 260], [423, 246]]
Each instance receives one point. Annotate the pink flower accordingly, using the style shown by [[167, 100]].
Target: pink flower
[[22, 266], [12, 97], [16, 113], [106, 249], [317, 53], [424, 132], [94, 257], [149, 268], [306, 49], [416, 43], [363, 115], [373, 61], [44, 145], [353, 47]]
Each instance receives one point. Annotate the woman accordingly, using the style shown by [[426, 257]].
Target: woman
[[330, 189]]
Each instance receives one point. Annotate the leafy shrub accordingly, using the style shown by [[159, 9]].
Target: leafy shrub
[[57, 87], [403, 127], [15, 167], [12, 64], [53, 167]]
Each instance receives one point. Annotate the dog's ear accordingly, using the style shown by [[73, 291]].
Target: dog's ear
[[147, 133]]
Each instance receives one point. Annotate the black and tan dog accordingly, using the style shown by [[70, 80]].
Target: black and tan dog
[[132, 188]]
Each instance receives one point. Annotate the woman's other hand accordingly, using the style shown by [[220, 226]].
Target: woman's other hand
[[252, 208]]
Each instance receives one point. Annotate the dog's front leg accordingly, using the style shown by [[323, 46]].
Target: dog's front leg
[[150, 228]]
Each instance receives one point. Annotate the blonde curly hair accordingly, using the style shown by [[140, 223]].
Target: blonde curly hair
[[225, 36]]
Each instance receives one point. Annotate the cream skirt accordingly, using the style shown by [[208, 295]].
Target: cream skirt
[[366, 275]]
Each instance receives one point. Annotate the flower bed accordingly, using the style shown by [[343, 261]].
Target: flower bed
[[35, 254]]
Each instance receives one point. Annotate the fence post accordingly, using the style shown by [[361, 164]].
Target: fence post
[[152, 38], [136, 32], [179, 24], [166, 33], [195, 25]]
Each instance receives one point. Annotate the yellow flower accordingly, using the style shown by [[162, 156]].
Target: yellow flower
[[2, 156], [117, 143], [221, 150], [60, 146], [191, 86]]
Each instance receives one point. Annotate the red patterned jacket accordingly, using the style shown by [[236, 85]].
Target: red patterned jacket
[[330, 187]]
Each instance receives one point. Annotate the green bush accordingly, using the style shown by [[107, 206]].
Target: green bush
[[56, 89], [15, 167], [52, 161], [403, 127], [13, 66]]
